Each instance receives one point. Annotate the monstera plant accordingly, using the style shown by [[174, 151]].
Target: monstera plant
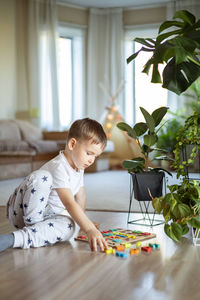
[[178, 49]]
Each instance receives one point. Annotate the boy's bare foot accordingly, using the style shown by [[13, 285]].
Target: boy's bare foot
[[6, 241]]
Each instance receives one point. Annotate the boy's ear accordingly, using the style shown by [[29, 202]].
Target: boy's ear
[[72, 143]]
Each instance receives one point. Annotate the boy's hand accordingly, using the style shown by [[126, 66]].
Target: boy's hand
[[95, 238], [97, 225], [81, 232]]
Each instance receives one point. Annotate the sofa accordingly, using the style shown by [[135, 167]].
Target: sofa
[[24, 147]]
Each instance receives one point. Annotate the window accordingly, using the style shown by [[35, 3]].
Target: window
[[70, 74], [45, 84], [65, 80], [139, 91]]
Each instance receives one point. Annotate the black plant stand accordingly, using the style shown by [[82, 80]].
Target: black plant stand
[[148, 218]]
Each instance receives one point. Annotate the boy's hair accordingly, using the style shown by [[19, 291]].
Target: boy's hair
[[87, 129]]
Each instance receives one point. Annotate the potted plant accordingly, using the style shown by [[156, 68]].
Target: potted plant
[[147, 180], [180, 208], [178, 50]]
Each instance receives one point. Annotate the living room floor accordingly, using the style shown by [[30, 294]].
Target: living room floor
[[70, 270]]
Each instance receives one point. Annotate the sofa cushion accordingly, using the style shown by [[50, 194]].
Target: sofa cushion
[[12, 154], [9, 130], [29, 131], [44, 146], [10, 145]]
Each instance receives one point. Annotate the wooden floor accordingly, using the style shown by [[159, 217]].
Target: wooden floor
[[70, 271]]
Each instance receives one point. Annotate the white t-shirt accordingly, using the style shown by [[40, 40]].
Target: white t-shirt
[[64, 176]]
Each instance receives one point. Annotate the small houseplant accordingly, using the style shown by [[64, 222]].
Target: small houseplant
[[146, 136], [181, 206]]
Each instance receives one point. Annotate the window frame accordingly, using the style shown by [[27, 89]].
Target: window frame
[[77, 34]]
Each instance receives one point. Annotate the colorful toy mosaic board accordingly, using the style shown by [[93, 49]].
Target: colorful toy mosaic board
[[118, 236]]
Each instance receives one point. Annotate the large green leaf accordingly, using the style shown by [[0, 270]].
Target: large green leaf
[[169, 199], [149, 119], [166, 213], [196, 192], [151, 40], [132, 164], [185, 228], [150, 139], [133, 56], [195, 222], [178, 48], [178, 78], [159, 52], [180, 54], [147, 66], [169, 53], [140, 159], [125, 127], [173, 79], [163, 36], [144, 42], [186, 16], [140, 128], [174, 231], [184, 209], [165, 25], [191, 71], [157, 204], [158, 114], [182, 41], [183, 47], [194, 34], [173, 187], [181, 210], [156, 75]]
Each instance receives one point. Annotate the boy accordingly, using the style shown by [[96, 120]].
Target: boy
[[45, 204]]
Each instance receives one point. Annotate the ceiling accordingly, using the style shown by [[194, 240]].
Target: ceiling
[[113, 3]]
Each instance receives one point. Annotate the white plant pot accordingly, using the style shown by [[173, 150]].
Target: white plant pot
[[196, 236]]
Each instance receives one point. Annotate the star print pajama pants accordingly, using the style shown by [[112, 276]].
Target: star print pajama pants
[[27, 211]]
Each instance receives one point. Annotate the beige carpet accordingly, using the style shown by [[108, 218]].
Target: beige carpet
[[107, 190]]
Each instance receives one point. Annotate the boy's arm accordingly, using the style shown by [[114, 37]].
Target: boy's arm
[[80, 198], [94, 236]]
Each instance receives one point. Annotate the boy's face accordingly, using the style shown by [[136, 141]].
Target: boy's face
[[83, 154]]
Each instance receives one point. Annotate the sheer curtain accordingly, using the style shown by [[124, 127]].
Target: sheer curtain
[[105, 59], [37, 63], [191, 5]]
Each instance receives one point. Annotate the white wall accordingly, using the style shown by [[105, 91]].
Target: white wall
[[7, 59]]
